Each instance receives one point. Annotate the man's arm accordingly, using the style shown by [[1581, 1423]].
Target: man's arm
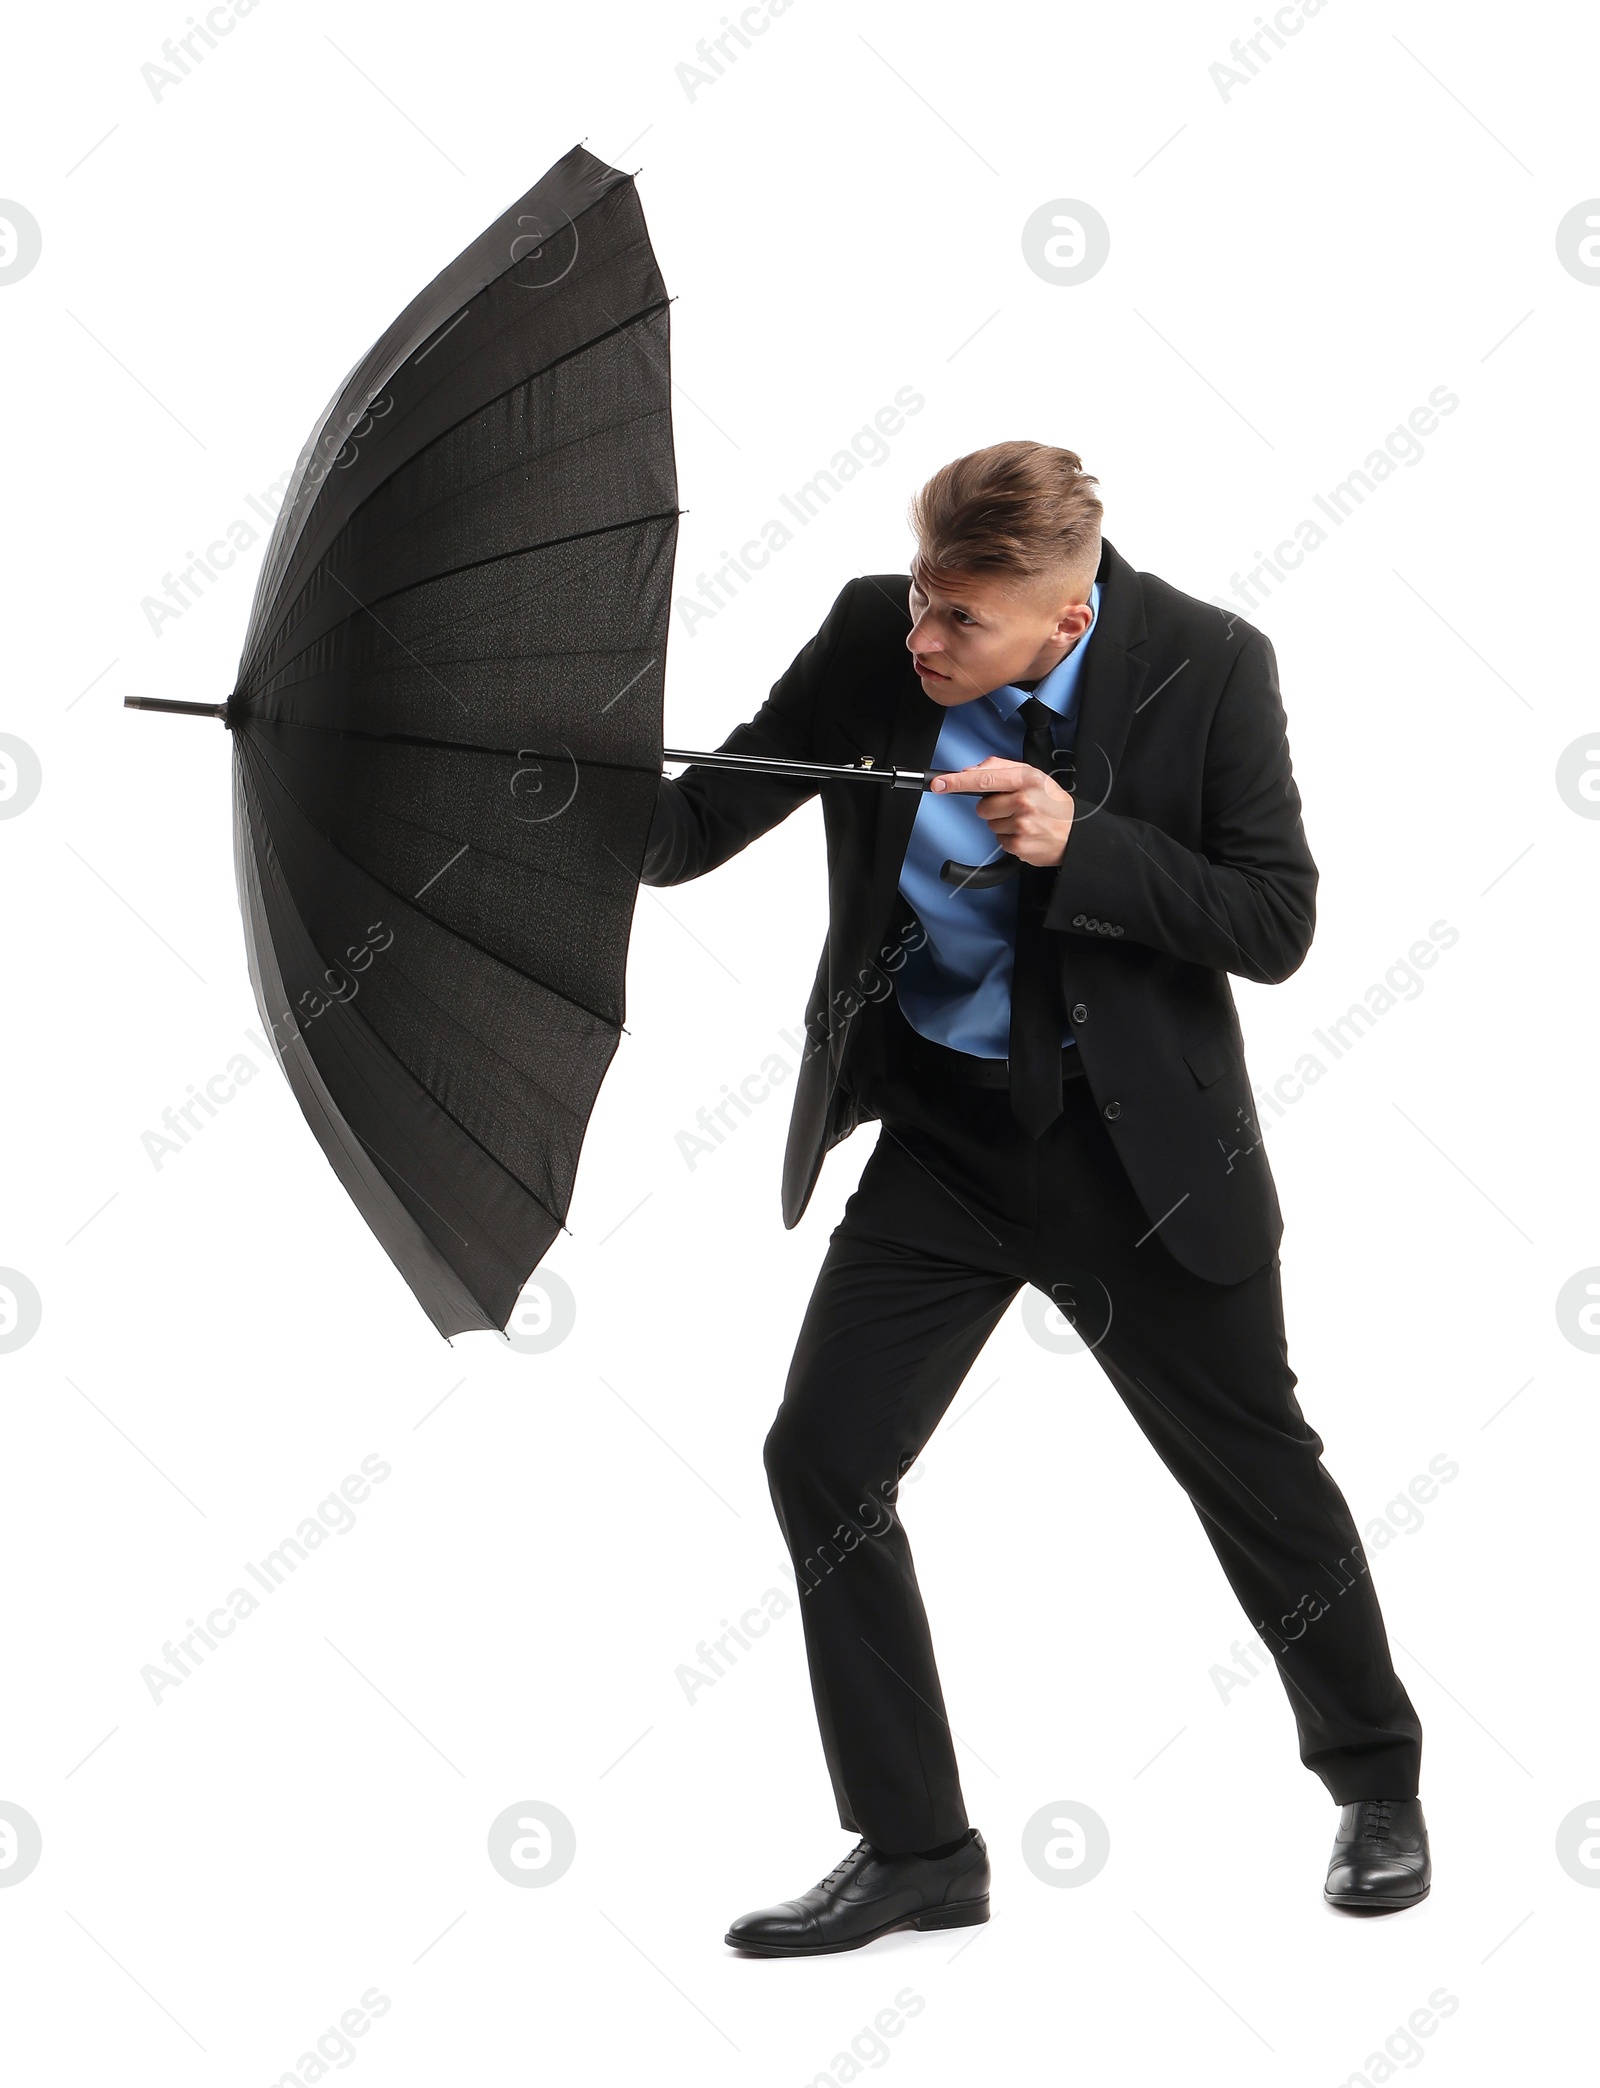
[[706, 815], [1245, 903]]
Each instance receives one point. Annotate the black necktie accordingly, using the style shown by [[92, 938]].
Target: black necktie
[[1037, 1007]]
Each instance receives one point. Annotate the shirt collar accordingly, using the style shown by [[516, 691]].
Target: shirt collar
[[1059, 686]]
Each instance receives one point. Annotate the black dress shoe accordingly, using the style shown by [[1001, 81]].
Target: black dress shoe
[[866, 1896], [1380, 1856]]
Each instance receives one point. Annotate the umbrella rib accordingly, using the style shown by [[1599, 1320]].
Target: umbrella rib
[[577, 1116], [389, 1166], [575, 536], [625, 424], [451, 746], [419, 739], [585, 347], [449, 1115], [471, 565], [511, 553], [586, 435], [556, 992], [531, 377]]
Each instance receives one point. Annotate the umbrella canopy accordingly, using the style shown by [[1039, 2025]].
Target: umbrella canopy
[[447, 735]]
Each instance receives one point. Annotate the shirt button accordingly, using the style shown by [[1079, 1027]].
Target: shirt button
[[1080, 1013], [1112, 1109]]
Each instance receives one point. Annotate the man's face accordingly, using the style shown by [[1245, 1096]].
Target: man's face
[[978, 634]]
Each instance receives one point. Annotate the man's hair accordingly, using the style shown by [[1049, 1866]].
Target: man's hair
[[1017, 510]]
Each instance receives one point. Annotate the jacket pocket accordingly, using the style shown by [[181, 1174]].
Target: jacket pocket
[[1208, 1062]]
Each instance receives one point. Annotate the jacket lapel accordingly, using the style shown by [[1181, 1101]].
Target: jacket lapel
[[1108, 694], [1113, 677]]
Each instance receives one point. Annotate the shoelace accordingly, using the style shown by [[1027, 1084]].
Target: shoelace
[[1377, 1826], [1379, 1839], [843, 1865]]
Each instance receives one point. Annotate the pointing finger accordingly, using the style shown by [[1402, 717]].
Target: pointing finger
[[990, 775]]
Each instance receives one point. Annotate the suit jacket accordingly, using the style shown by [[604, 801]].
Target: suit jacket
[[1187, 860]]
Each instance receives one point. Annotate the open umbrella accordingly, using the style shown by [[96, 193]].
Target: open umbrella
[[447, 735]]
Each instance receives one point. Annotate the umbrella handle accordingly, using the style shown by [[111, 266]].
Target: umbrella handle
[[979, 875]]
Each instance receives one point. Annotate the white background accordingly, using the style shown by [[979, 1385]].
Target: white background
[[1292, 270]]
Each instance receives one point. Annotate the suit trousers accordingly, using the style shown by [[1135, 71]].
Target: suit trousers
[[956, 1209]]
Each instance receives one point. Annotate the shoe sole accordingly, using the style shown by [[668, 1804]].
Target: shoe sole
[[1378, 1902], [963, 1914]]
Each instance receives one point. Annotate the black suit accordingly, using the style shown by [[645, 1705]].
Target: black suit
[[1187, 860], [1147, 1210]]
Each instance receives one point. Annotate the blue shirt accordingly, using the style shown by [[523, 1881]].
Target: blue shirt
[[956, 988]]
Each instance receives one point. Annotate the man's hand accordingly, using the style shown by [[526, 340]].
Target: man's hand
[[1029, 814]]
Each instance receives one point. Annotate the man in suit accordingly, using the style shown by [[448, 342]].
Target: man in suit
[[1025, 984]]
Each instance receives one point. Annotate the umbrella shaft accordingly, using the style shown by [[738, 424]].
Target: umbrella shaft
[[757, 764], [782, 765]]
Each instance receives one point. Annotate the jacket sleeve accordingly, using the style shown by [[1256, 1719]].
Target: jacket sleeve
[[705, 815], [1245, 902]]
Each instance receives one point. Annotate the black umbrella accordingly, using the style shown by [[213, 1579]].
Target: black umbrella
[[447, 735]]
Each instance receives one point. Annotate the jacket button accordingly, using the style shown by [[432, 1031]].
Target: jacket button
[[1077, 920], [1112, 1109], [1116, 931], [1080, 1013]]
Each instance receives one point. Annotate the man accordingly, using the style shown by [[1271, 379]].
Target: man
[[1025, 983]]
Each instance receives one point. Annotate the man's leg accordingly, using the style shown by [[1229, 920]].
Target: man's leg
[[889, 1334], [1204, 1368]]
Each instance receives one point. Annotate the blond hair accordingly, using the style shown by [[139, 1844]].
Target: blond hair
[[1018, 510]]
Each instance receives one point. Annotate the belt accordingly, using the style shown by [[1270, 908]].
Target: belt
[[971, 1071]]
